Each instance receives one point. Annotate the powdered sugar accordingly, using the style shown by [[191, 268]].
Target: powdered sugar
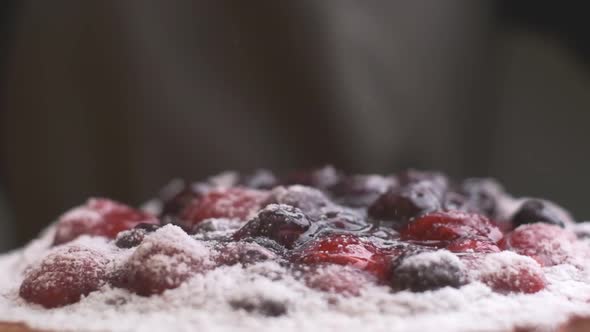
[[234, 298]]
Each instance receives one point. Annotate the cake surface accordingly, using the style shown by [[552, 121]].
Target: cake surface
[[316, 250]]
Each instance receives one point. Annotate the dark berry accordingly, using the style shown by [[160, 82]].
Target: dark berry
[[436, 179], [99, 217], [279, 222], [547, 244], [343, 220], [482, 195], [64, 276], [402, 204], [450, 225], [428, 271], [309, 200], [260, 179], [242, 252], [175, 196], [321, 178], [265, 307], [232, 203], [536, 210], [507, 272], [361, 190]]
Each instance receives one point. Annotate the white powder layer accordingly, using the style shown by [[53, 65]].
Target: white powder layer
[[203, 303]]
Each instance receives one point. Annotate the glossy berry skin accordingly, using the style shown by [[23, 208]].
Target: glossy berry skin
[[64, 276], [450, 225], [344, 249], [402, 204], [99, 217], [232, 203], [536, 210], [281, 223], [428, 271], [547, 244]]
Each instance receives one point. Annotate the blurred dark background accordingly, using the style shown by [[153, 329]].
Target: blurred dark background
[[114, 98]]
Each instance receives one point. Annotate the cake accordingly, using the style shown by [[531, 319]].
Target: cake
[[315, 250]]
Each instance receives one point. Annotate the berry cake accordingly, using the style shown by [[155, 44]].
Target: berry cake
[[314, 250]]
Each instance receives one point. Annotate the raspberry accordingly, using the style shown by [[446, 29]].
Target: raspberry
[[547, 244], [536, 210], [164, 260], [232, 203], [282, 223], [428, 271], [99, 217], [402, 204], [450, 225], [344, 249], [338, 279], [472, 245], [64, 276], [507, 272]]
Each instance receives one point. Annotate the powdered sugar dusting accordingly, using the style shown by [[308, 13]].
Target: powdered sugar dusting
[[214, 300]]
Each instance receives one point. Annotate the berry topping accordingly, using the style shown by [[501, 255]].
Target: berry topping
[[436, 179], [428, 271], [133, 237], [547, 244], [343, 220], [361, 190], [536, 210], [260, 179], [242, 252], [164, 260], [321, 178], [265, 307], [309, 200], [343, 249], [64, 276], [231, 203], [402, 204], [99, 217], [338, 279], [279, 222], [450, 225], [472, 245], [508, 272], [482, 195]]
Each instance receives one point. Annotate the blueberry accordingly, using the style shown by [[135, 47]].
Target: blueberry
[[282, 223], [536, 210], [482, 195], [402, 204], [428, 271], [309, 200], [133, 237], [361, 190], [265, 307]]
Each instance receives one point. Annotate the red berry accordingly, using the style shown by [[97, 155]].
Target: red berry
[[450, 225], [164, 260], [231, 203], [338, 279], [507, 272], [99, 217], [472, 245], [547, 244], [64, 276], [344, 249]]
